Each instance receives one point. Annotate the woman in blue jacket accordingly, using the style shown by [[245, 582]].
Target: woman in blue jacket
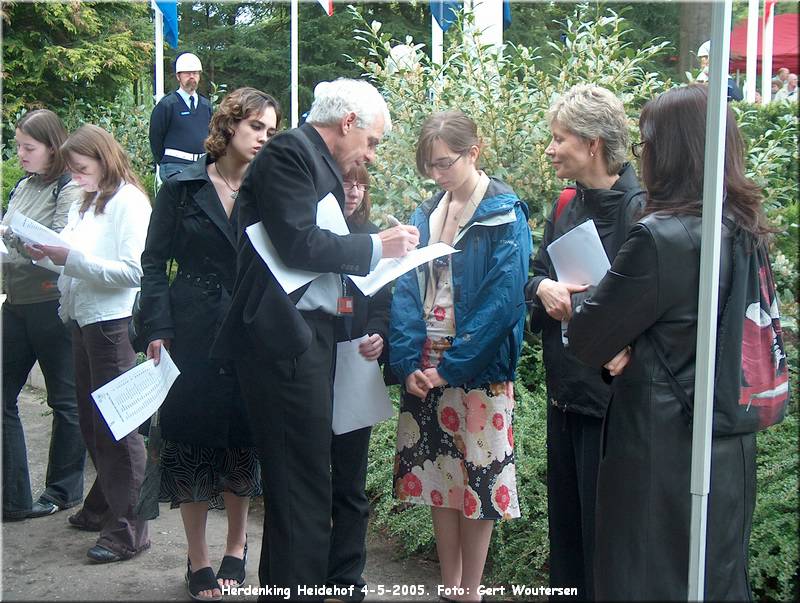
[[456, 334]]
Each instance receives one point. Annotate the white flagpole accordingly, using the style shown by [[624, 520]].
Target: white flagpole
[[489, 22], [437, 42], [709, 293], [295, 62], [766, 55], [159, 64], [752, 52]]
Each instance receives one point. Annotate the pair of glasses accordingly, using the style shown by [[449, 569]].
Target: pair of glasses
[[348, 186], [636, 148], [442, 165]]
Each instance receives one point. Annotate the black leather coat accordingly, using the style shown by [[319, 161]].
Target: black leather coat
[[571, 385], [204, 406], [643, 496]]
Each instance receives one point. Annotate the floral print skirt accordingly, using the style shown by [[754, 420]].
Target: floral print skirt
[[455, 450]]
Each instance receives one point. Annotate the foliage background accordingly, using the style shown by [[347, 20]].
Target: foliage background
[[99, 56]]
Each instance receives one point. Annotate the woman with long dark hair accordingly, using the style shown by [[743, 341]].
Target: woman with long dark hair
[[208, 460], [641, 322]]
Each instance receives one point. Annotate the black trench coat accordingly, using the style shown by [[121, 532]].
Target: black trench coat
[[204, 406], [643, 488]]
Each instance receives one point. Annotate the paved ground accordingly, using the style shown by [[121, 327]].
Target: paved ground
[[45, 559]]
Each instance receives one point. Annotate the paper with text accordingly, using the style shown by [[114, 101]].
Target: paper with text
[[578, 256], [31, 232], [329, 217], [388, 269], [132, 398], [360, 398]]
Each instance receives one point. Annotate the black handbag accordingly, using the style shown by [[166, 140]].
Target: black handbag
[[136, 333]]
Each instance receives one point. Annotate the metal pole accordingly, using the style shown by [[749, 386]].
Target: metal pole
[[159, 63], [295, 65], [437, 42], [752, 52], [766, 51], [709, 292]]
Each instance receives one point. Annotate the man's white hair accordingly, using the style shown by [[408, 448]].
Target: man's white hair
[[333, 100]]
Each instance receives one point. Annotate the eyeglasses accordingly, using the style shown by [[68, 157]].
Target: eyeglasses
[[636, 148], [348, 186], [443, 165]]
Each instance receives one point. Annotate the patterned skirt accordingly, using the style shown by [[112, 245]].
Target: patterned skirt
[[455, 450], [191, 473]]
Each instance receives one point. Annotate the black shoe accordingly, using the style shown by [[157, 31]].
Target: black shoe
[[100, 554], [233, 568], [77, 521], [43, 507], [202, 579]]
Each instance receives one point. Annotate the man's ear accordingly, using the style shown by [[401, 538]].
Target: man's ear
[[348, 122]]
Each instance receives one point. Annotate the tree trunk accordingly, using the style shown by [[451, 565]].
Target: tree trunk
[[695, 29]]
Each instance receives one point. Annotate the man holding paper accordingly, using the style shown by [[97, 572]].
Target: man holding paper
[[283, 343]]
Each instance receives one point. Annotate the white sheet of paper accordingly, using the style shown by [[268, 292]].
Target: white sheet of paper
[[389, 269], [360, 398], [30, 231], [578, 256], [130, 399], [329, 217]]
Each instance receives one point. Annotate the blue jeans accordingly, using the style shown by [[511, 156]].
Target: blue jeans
[[168, 170], [35, 332]]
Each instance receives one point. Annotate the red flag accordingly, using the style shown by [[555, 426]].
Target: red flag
[[327, 5]]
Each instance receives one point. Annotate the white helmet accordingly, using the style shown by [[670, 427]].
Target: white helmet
[[188, 62]]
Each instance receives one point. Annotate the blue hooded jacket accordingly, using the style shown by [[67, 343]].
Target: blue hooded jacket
[[489, 276]]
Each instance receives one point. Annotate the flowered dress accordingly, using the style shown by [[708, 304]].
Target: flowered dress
[[455, 448]]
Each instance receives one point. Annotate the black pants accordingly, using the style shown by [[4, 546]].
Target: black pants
[[348, 552], [103, 352], [289, 403], [34, 332], [573, 457]]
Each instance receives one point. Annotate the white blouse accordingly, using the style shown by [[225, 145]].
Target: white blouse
[[103, 269]]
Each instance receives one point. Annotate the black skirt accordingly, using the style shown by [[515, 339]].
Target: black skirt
[[192, 473]]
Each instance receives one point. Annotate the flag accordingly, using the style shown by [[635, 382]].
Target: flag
[[768, 4], [445, 12], [327, 5], [506, 14], [169, 10]]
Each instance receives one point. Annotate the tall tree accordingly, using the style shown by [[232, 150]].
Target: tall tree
[[57, 52]]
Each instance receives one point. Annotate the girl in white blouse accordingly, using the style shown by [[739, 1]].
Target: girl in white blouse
[[101, 273]]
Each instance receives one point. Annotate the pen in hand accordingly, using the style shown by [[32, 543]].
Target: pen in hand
[[392, 220]]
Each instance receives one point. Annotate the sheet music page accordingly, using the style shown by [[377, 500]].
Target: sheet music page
[[31, 232], [360, 398], [388, 269], [130, 399]]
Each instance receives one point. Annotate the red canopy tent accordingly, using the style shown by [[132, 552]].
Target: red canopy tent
[[785, 48]]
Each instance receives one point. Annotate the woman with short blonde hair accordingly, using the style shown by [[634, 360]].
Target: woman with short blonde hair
[[588, 149]]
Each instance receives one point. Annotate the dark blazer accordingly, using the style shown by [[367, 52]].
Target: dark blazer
[[204, 406], [285, 182]]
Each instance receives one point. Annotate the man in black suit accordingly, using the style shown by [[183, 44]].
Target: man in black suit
[[283, 345]]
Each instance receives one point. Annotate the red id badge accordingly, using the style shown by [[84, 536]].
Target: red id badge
[[344, 305]]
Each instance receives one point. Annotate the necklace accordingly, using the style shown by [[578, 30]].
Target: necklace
[[234, 191]]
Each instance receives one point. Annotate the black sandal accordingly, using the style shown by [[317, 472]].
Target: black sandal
[[233, 568], [202, 579]]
